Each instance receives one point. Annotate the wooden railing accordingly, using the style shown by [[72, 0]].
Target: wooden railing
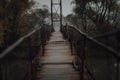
[[16, 62], [93, 58]]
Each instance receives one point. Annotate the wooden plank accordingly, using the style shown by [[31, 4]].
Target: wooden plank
[[57, 60]]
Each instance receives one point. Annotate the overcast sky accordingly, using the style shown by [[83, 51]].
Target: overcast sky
[[67, 7]]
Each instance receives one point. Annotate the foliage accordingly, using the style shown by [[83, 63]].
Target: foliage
[[104, 14], [73, 19], [97, 17], [31, 18], [10, 11]]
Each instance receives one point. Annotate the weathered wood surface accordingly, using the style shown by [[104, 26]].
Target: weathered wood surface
[[57, 50], [57, 60]]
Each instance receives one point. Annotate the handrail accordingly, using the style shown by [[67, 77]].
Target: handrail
[[82, 55], [14, 45], [107, 34], [20, 56], [112, 51]]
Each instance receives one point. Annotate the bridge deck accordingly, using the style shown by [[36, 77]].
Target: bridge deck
[[57, 60]]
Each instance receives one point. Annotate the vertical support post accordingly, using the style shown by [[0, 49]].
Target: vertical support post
[[118, 60], [71, 41], [71, 46], [83, 59], [60, 14], [52, 13], [30, 58], [1, 75], [117, 69], [43, 39]]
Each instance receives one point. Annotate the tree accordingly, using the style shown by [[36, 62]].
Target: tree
[[102, 13], [99, 17], [32, 17], [10, 12], [73, 19]]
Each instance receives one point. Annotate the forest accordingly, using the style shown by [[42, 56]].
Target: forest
[[17, 18]]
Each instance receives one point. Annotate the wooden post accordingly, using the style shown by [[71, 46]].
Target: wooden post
[[83, 59], [30, 58], [117, 69], [1, 75], [118, 60]]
